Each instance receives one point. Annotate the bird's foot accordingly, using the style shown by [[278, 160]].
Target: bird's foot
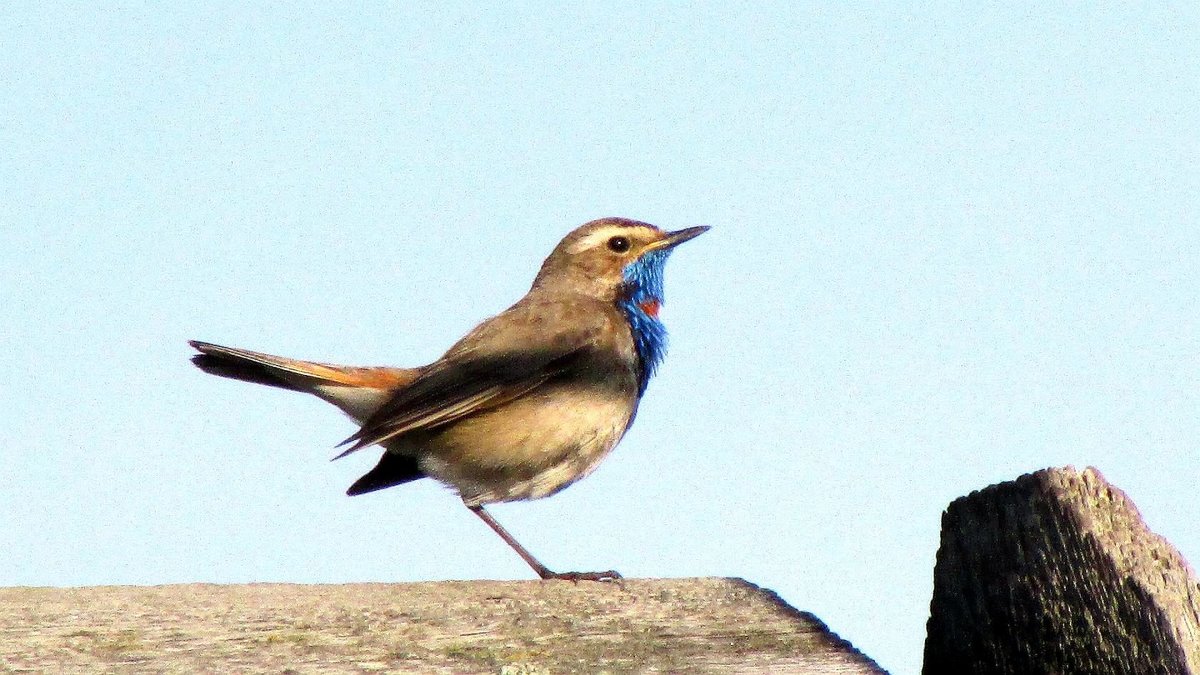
[[610, 575]]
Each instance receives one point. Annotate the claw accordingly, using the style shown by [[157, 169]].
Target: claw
[[541, 570]]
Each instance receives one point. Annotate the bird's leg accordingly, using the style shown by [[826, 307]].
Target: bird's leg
[[542, 571]]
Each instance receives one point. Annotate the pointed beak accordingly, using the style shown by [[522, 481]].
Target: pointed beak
[[677, 237]]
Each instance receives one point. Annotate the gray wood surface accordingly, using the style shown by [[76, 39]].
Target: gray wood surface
[[638, 625], [1055, 572]]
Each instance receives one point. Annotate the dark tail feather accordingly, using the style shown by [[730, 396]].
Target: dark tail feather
[[247, 371], [392, 469]]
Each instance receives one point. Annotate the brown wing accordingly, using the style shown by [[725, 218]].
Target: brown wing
[[503, 358], [454, 390]]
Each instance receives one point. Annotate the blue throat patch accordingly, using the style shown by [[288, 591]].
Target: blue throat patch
[[640, 301]]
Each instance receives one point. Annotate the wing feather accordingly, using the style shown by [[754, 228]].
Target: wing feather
[[504, 358], [446, 395]]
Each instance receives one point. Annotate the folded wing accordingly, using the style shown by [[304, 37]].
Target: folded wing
[[503, 358]]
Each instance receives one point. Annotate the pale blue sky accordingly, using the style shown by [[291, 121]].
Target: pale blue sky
[[950, 245]]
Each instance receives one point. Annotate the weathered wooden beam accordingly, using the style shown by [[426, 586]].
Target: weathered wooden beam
[[1055, 572], [636, 625]]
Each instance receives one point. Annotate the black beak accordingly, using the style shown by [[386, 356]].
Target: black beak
[[677, 237]]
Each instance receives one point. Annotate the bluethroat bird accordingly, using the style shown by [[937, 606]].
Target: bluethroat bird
[[528, 402]]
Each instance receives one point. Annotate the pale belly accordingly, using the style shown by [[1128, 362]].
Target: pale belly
[[526, 449]]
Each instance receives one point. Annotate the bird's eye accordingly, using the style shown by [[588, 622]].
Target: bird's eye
[[618, 244]]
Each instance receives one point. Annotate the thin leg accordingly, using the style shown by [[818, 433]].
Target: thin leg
[[542, 571]]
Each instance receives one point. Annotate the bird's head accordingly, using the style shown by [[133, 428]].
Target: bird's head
[[613, 259]]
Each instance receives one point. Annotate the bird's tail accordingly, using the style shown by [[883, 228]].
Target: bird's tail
[[357, 391]]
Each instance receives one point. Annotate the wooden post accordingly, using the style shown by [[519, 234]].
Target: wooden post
[[507, 627], [1055, 572]]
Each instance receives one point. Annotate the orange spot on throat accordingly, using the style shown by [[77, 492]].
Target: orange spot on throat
[[650, 306]]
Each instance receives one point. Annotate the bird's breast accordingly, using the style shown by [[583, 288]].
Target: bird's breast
[[648, 333], [533, 446], [650, 307]]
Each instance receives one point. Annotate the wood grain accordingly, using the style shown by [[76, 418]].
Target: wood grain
[[1055, 572], [637, 625]]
